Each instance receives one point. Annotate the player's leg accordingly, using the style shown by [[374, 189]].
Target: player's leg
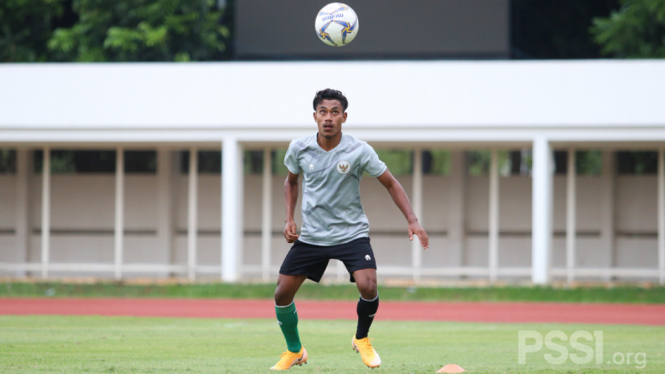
[[287, 317], [368, 303], [287, 286], [303, 261], [358, 258]]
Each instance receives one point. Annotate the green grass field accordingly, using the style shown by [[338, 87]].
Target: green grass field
[[309, 290], [55, 344]]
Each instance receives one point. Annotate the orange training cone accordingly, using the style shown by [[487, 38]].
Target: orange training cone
[[451, 368]]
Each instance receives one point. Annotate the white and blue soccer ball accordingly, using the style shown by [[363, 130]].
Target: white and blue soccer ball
[[336, 24]]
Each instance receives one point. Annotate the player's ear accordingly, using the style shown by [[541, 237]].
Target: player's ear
[[344, 117], [314, 114]]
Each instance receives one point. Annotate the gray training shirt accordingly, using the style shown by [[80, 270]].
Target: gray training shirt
[[331, 209]]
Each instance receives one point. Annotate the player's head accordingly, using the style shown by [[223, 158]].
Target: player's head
[[330, 112], [330, 94]]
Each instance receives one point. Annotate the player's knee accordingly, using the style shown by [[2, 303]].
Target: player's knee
[[368, 289], [282, 298], [278, 296]]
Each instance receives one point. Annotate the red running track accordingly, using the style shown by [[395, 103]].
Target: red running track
[[636, 314]]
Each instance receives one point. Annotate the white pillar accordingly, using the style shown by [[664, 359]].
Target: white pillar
[[192, 212], [541, 211], [661, 215], [571, 213], [607, 225], [416, 248], [493, 235], [456, 208], [22, 223], [266, 214], [119, 211], [46, 211], [162, 255], [232, 205]]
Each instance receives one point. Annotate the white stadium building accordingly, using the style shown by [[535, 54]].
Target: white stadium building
[[536, 223]]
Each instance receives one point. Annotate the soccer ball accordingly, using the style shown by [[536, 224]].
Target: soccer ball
[[336, 24]]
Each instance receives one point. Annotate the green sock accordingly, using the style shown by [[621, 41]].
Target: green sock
[[288, 322]]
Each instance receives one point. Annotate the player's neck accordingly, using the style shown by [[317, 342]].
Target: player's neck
[[328, 144]]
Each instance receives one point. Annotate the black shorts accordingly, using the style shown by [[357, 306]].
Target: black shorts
[[312, 260]]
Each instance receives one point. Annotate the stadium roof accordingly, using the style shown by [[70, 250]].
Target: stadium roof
[[399, 101]]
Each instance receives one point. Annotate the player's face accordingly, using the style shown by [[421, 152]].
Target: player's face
[[329, 117]]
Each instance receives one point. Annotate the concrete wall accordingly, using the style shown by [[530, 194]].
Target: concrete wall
[[82, 216]]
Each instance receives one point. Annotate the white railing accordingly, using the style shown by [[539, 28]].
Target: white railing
[[384, 271], [231, 268]]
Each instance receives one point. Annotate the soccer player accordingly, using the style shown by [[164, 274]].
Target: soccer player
[[334, 224]]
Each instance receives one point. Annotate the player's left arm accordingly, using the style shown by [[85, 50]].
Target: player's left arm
[[402, 201]]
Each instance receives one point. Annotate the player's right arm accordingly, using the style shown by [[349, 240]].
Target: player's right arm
[[291, 198]]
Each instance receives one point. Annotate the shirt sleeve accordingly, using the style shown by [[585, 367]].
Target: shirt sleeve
[[371, 162], [291, 159]]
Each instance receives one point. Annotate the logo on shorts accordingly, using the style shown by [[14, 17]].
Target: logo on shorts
[[311, 167], [367, 257], [343, 167]]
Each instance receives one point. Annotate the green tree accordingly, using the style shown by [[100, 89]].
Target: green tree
[[25, 28], [637, 30], [555, 29], [142, 30]]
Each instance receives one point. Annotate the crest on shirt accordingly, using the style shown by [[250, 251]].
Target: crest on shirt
[[311, 167], [343, 167]]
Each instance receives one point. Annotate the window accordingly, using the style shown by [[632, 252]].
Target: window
[[140, 162], [70, 162], [436, 162], [478, 162], [96, 161], [521, 162], [253, 162], [7, 161], [399, 162], [210, 162], [586, 162], [636, 162]]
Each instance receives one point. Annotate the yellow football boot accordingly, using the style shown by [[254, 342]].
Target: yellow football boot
[[288, 359], [367, 353]]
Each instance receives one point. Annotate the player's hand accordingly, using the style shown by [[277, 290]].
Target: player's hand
[[416, 229], [290, 231]]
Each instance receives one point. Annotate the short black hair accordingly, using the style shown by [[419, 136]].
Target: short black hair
[[330, 94]]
